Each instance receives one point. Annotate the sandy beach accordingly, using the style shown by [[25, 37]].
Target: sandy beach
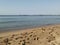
[[45, 35]]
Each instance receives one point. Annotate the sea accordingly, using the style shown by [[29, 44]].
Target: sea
[[10, 22]]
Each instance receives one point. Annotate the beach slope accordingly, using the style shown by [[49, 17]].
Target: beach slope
[[46, 35]]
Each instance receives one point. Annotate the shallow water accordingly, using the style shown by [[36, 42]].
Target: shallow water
[[15, 22]]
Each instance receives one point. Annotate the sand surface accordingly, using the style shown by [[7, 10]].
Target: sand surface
[[47, 35]]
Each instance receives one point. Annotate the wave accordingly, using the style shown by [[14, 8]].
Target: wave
[[13, 21], [8, 22]]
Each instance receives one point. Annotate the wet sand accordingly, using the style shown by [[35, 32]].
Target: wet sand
[[46, 35]]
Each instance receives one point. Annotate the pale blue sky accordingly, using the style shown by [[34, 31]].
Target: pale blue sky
[[11, 7]]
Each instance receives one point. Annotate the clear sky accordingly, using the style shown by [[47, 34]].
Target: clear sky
[[13, 7]]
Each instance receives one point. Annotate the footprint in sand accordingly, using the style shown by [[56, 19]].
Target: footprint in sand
[[55, 42]]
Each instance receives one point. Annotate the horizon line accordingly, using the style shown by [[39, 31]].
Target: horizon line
[[35, 15]]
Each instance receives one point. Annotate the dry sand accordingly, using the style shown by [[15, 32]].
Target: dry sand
[[47, 35]]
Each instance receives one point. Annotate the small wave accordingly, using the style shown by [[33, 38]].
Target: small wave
[[13, 21], [8, 22]]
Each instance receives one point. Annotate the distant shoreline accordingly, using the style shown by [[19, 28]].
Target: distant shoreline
[[29, 15]]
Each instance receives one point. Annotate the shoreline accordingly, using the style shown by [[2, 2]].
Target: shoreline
[[18, 29], [44, 35], [26, 29]]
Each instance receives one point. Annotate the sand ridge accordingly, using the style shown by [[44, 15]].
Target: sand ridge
[[47, 35]]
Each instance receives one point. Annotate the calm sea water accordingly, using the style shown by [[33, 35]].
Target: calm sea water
[[12, 22]]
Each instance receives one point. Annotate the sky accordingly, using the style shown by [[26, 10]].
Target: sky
[[29, 7]]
